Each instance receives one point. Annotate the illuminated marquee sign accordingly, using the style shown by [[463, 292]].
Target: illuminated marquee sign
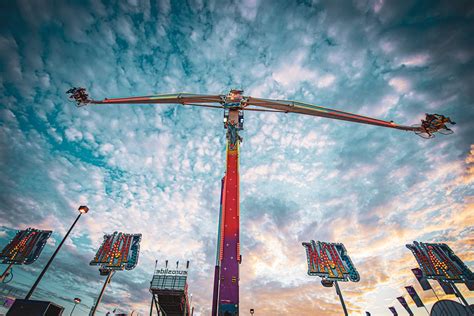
[[25, 247], [438, 261], [330, 261], [167, 279], [118, 251]]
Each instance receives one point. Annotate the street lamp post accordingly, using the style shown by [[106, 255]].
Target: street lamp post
[[107, 281], [6, 273], [82, 210], [76, 301], [191, 303], [338, 292]]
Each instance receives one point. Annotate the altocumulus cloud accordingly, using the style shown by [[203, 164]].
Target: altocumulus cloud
[[156, 169]]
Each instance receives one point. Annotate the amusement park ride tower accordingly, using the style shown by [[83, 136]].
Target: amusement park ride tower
[[228, 257]]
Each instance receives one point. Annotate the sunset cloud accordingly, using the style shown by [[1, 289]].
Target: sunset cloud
[[156, 169]]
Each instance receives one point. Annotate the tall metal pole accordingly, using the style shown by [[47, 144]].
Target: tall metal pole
[[426, 309], [435, 294], [151, 304], [82, 210], [6, 272], [459, 294], [157, 306], [338, 292], [107, 281], [186, 311], [75, 304]]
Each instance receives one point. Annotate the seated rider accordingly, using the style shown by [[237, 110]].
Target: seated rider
[[426, 123], [434, 122], [71, 91], [447, 119], [79, 95]]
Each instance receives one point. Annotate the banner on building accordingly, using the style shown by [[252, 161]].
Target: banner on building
[[119, 251], [330, 261], [25, 247], [414, 296]]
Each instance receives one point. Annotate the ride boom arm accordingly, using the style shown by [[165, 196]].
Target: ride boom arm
[[181, 98], [236, 100], [81, 98], [314, 110]]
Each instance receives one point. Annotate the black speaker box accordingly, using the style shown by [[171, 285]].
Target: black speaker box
[[34, 308]]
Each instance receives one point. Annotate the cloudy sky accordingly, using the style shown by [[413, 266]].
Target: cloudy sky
[[156, 169]]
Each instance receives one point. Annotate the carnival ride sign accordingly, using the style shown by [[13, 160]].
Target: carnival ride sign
[[330, 261], [119, 251], [25, 247], [438, 261], [168, 279], [171, 272]]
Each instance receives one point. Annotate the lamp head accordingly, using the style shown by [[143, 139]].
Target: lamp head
[[83, 209], [77, 300]]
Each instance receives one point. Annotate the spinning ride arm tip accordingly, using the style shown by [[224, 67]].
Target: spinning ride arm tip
[[79, 96], [434, 123]]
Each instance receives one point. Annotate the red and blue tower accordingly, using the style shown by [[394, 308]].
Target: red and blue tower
[[228, 257]]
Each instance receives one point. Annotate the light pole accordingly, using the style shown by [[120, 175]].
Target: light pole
[[459, 294], [191, 301], [76, 301], [107, 281], [252, 311], [6, 273], [338, 292], [82, 210]]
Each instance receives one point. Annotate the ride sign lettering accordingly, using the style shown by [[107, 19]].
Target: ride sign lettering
[[330, 261], [438, 261], [119, 251]]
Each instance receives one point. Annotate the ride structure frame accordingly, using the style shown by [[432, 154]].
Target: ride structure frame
[[228, 257], [226, 282]]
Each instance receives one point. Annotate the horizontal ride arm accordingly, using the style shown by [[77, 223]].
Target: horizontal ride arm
[[180, 98], [314, 110]]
